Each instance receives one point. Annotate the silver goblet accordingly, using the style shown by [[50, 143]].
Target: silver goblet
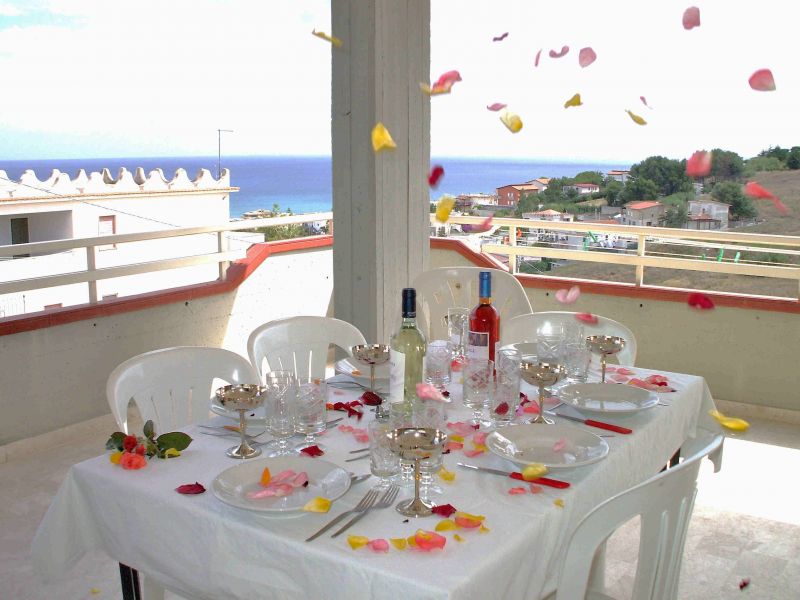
[[542, 375], [243, 398], [416, 443], [604, 345], [372, 355]]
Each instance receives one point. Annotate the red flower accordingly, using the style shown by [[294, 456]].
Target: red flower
[[140, 450], [444, 510], [132, 461], [129, 443], [700, 301], [312, 451], [190, 488]]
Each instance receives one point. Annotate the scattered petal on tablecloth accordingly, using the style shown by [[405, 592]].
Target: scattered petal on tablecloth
[[644, 101], [371, 398], [444, 206], [436, 174], [468, 521], [574, 101], [428, 540], [312, 451], [762, 81], [535, 489], [568, 296], [496, 106], [191, 488], [378, 545], [636, 118], [586, 57], [515, 491], [318, 505], [328, 38], [444, 510], [381, 138], [357, 541], [699, 164], [452, 446], [511, 120], [559, 54], [428, 391], [458, 538], [446, 525], [559, 502], [447, 475], [691, 18], [744, 583], [399, 543]]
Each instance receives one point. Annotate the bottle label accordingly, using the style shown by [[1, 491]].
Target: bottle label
[[478, 347], [397, 375]]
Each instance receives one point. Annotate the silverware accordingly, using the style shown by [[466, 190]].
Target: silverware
[[389, 496], [357, 458], [358, 450], [367, 501], [354, 479], [228, 431]]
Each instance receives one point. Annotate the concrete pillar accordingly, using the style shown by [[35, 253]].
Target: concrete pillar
[[380, 201]]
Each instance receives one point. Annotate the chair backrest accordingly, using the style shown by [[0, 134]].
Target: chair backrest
[[173, 387], [665, 504], [524, 327], [449, 287], [299, 344]]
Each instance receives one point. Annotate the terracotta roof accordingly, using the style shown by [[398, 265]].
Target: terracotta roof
[[615, 172], [585, 185], [643, 204], [549, 212]]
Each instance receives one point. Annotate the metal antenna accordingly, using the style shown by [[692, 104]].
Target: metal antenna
[[219, 149]]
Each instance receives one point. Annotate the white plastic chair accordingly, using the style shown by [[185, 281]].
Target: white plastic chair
[[173, 387], [449, 287], [665, 504], [300, 344], [524, 327]]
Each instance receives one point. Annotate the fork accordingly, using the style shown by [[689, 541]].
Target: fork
[[366, 502], [388, 498]]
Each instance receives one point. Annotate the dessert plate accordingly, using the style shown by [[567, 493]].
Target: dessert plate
[[607, 398], [555, 446]]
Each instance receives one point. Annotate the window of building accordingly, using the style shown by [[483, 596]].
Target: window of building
[[107, 225]]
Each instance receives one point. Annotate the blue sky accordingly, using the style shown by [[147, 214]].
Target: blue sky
[[94, 78]]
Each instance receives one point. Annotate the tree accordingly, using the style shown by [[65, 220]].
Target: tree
[[668, 175], [676, 216], [639, 189], [764, 163], [731, 193], [595, 177], [612, 192], [726, 164], [793, 160], [777, 152], [527, 203]]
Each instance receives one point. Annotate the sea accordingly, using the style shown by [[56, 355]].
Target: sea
[[303, 183]]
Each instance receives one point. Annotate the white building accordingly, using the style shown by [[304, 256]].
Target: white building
[[99, 204], [619, 175], [548, 215], [583, 188], [708, 214]]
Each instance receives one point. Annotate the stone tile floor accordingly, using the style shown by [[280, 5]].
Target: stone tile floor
[[746, 523]]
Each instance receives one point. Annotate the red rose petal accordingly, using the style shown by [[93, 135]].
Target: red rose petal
[[699, 301], [699, 164], [644, 101], [501, 408], [444, 510], [371, 399], [744, 583], [554, 54], [587, 318], [691, 18], [762, 81], [437, 172], [496, 106], [586, 57], [312, 451], [190, 488]]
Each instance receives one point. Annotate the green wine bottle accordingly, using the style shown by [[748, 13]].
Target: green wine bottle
[[406, 360]]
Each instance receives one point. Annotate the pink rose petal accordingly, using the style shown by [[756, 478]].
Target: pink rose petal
[[473, 453], [699, 164], [535, 489], [479, 438], [500, 38], [619, 378], [691, 18], [569, 296], [762, 81], [300, 479], [284, 476], [267, 492], [378, 545], [281, 489], [586, 57], [625, 371], [190, 488], [345, 428], [481, 227], [427, 391], [538, 56], [496, 106], [560, 444], [554, 54], [453, 446], [644, 101], [516, 491], [362, 438]]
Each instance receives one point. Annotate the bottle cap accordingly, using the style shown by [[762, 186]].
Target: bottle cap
[[485, 287], [409, 303]]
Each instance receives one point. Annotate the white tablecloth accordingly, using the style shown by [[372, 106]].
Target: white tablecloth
[[202, 548]]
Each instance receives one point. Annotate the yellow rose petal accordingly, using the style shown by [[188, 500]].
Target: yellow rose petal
[[318, 505], [265, 476], [357, 541], [171, 453], [412, 541], [456, 438], [484, 529], [574, 101], [458, 538], [636, 118], [511, 121], [444, 206], [381, 138], [94, 591], [115, 457], [732, 423], [328, 38], [534, 471], [446, 475], [559, 503], [446, 525], [399, 543]]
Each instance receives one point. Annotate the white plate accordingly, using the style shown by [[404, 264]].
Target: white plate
[[526, 444], [324, 479], [613, 398], [348, 365]]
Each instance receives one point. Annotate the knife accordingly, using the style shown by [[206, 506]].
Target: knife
[[592, 422], [515, 475]]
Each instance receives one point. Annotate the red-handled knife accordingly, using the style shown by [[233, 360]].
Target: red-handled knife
[[515, 475], [593, 423]]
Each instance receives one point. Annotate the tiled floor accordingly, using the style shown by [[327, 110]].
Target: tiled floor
[[746, 523]]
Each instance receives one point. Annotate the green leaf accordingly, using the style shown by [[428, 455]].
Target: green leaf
[[149, 430], [115, 441], [175, 439]]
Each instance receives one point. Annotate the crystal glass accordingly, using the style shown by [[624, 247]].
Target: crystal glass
[[438, 362], [281, 407], [430, 414], [550, 340], [577, 357], [478, 384], [383, 462], [506, 387], [457, 328], [312, 395]]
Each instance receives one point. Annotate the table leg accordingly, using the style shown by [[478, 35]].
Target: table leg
[[129, 578]]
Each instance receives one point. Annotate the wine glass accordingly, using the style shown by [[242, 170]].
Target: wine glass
[[281, 407], [506, 387], [542, 375], [477, 389], [605, 345], [242, 398], [312, 395]]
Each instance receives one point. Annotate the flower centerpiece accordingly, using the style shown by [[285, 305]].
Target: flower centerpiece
[[130, 451]]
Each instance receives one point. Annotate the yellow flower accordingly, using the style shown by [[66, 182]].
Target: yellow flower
[[318, 505], [171, 453], [115, 457], [357, 541]]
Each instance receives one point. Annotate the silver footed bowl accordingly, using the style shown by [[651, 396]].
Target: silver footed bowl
[[605, 344], [371, 354], [541, 374], [416, 443], [241, 396]]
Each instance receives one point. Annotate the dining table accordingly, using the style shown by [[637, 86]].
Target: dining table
[[203, 548]]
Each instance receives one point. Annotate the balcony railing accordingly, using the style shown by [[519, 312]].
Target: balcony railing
[[640, 247]]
